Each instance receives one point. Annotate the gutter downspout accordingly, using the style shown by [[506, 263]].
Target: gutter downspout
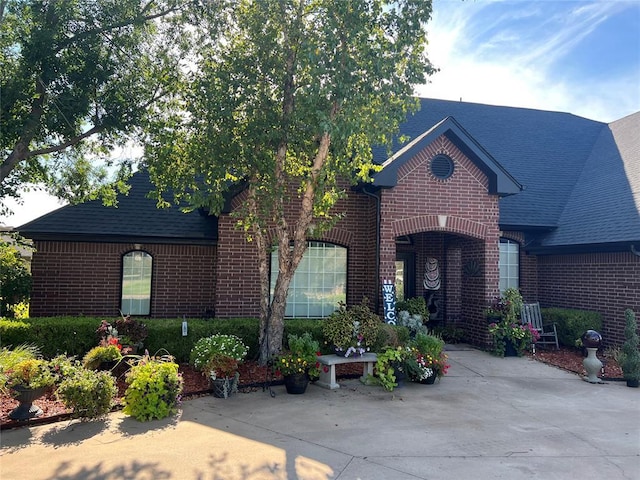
[[376, 197]]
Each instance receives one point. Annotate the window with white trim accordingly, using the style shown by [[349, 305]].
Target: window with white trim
[[319, 283], [509, 264], [137, 268]]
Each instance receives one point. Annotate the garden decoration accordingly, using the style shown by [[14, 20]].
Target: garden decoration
[[592, 340]]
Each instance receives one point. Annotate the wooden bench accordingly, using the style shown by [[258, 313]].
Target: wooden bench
[[329, 362]]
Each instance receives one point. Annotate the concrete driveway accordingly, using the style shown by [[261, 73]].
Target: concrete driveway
[[490, 418]]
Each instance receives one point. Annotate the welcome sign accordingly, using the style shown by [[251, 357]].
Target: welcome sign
[[389, 301]]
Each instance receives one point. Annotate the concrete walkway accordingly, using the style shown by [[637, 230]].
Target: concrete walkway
[[490, 418]]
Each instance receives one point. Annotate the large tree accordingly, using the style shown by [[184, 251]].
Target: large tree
[[287, 101], [76, 78]]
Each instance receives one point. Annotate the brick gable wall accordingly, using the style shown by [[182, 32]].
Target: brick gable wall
[[461, 219]]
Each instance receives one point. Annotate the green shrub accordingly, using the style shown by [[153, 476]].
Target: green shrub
[[630, 356], [88, 393], [153, 391], [415, 306], [15, 279], [14, 332], [449, 334], [571, 323]]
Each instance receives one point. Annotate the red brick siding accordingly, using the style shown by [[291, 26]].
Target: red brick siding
[[73, 278], [471, 230], [608, 283], [238, 288]]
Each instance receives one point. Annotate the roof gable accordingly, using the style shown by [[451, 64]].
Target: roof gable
[[500, 181]]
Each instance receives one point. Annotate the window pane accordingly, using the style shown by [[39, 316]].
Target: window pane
[[319, 284], [509, 264], [400, 269], [136, 283]]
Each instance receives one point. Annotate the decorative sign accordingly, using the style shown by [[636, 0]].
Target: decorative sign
[[389, 301]]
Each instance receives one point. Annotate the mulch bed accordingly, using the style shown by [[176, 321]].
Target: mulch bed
[[254, 377]]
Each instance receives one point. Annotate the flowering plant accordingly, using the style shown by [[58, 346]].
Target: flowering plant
[[521, 336], [218, 355], [32, 373], [427, 357], [291, 363], [301, 357], [351, 330]]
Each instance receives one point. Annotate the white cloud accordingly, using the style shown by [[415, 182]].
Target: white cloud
[[513, 53]]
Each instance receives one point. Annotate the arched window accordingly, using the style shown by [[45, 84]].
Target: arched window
[[319, 283], [509, 264], [136, 283]]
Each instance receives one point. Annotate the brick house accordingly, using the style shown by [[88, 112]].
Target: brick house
[[481, 199]]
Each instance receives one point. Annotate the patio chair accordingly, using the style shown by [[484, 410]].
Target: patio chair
[[548, 333]]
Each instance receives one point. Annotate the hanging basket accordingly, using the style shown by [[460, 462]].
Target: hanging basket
[[225, 387]]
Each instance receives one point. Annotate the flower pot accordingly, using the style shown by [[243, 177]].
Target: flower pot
[[400, 373], [430, 380], [633, 383], [224, 387], [26, 409], [510, 349], [296, 383], [107, 365]]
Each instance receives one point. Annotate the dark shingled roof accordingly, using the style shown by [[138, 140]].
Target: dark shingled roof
[[135, 219], [577, 184], [581, 181]]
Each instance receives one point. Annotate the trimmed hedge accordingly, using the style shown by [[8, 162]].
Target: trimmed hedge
[[571, 323], [75, 336]]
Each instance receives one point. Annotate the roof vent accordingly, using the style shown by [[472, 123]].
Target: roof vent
[[442, 166]]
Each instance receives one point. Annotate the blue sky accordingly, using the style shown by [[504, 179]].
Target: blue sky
[[577, 56]]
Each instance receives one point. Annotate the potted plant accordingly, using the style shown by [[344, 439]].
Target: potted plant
[[153, 389], [299, 364], [27, 377], [390, 370], [630, 357], [103, 357], [428, 360], [217, 357], [351, 330], [494, 313], [132, 334], [512, 339]]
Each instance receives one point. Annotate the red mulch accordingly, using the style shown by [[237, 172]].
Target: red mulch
[[253, 376]]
